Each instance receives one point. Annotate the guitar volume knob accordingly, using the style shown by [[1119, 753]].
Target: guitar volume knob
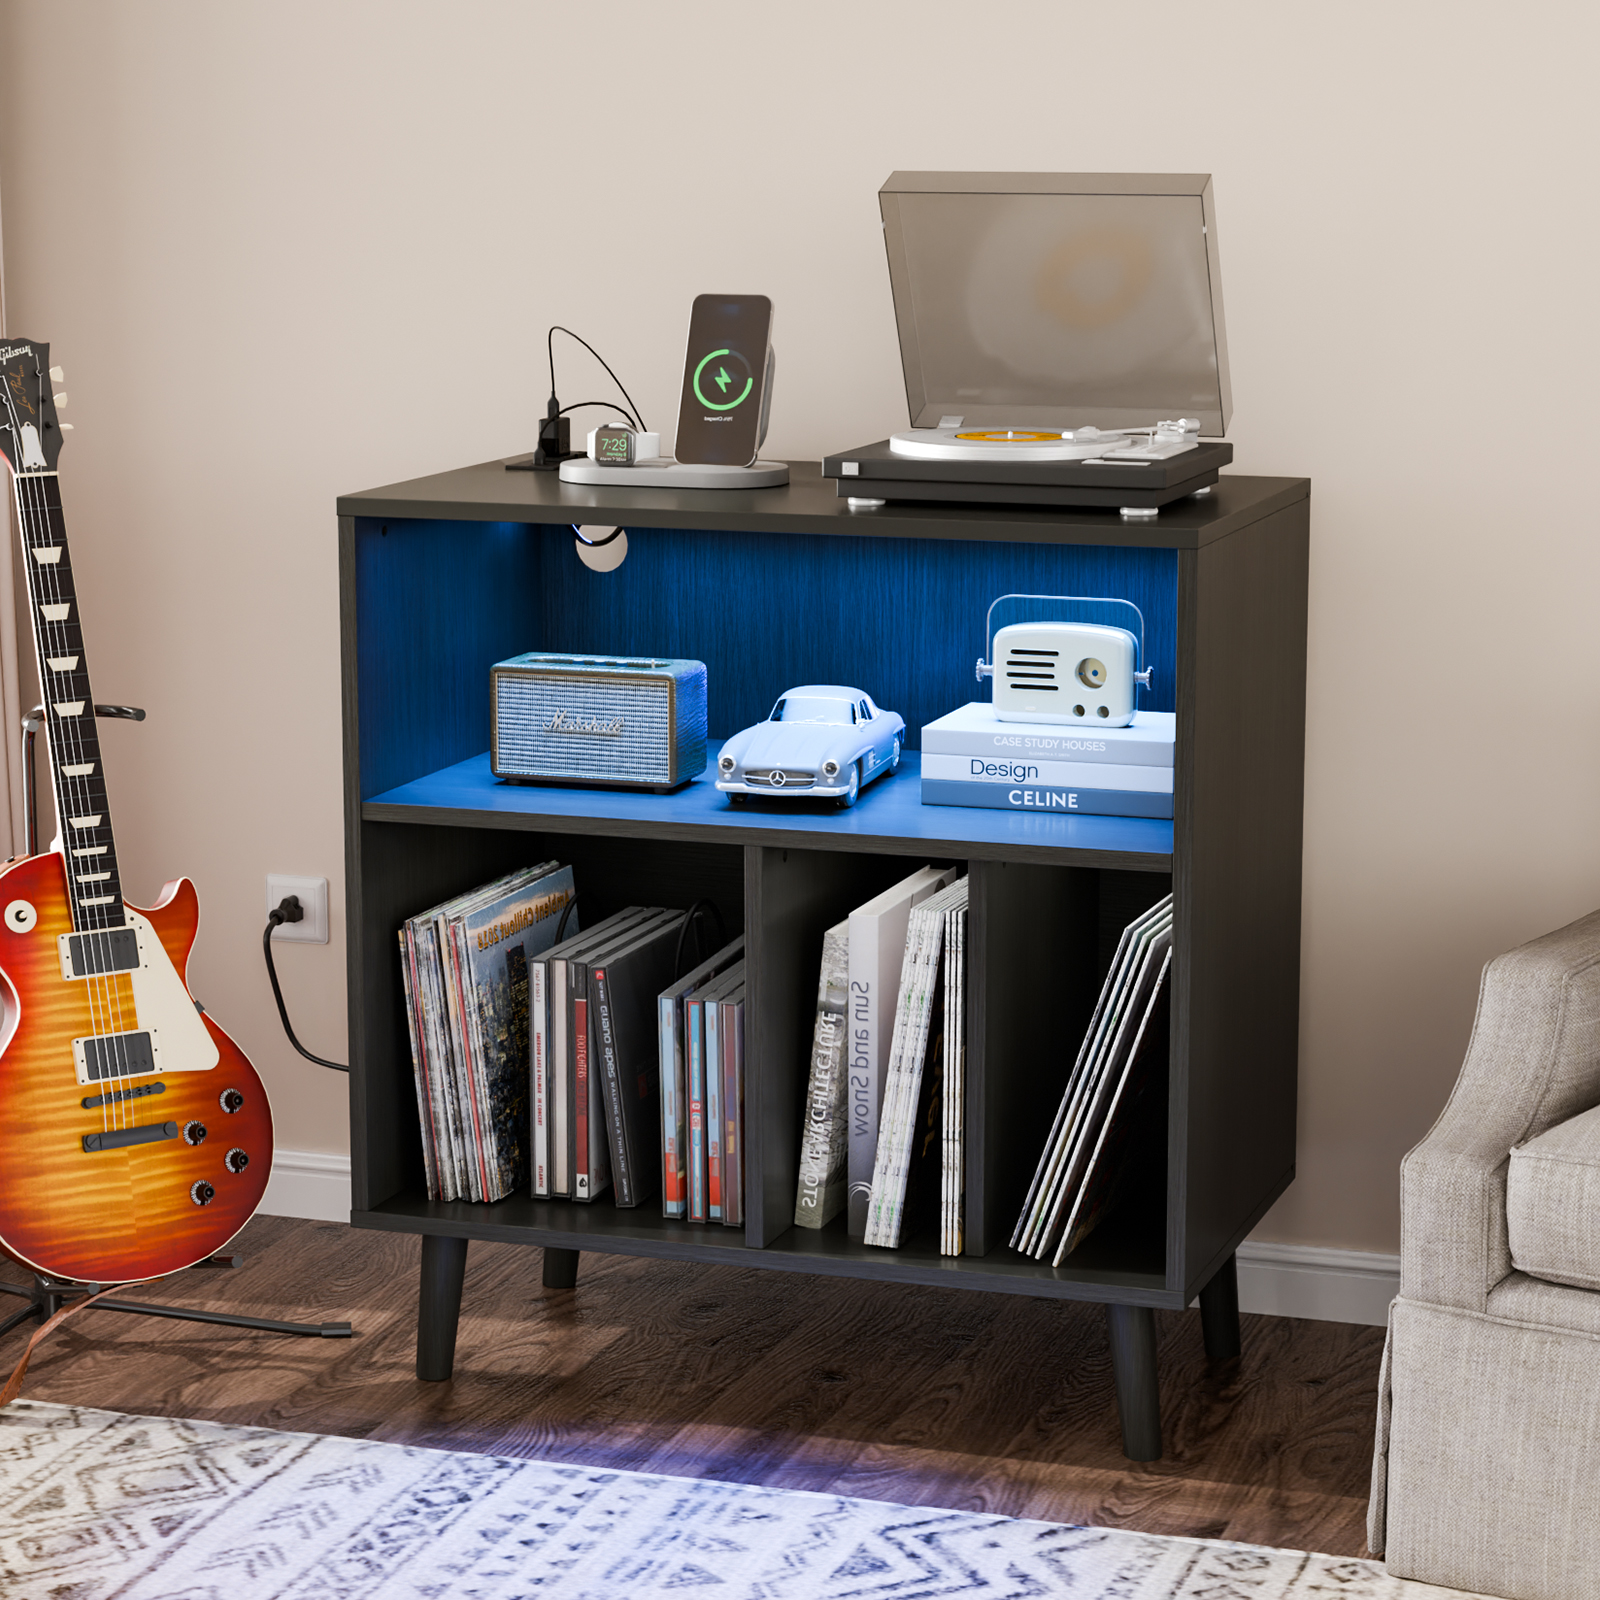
[[194, 1132], [230, 1100], [236, 1160], [202, 1193]]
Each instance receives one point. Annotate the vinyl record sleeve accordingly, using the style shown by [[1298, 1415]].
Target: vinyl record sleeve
[[1054, 1153], [624, 985], [672, 1040]]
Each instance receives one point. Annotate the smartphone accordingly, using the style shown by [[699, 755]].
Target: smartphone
[[727, 380]]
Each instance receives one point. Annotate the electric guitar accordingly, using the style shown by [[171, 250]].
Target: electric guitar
[[135, 1136]]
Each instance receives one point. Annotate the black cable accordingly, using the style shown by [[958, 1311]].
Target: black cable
[[288, 910], [595, 544], [566, 911], [550, 352], [699, 907], [610, 405]]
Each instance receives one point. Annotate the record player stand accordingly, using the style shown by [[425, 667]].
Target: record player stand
[[441, 577]]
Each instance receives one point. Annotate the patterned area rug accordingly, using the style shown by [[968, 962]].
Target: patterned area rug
[[99, 1506]]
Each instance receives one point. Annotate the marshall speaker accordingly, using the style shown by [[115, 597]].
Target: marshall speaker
[[622, 722]]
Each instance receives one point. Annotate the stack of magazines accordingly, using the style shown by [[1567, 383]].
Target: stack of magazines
[[700, 1043], [465, 970], [1082, 1171], [912, 1123], [883, 1133]]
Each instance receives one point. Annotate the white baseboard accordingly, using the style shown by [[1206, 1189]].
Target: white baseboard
[[1303, 1280], [1278, 1280], [308, 1183]]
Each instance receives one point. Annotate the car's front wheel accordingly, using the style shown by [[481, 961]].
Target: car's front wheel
[[894, 757], [853, 793]]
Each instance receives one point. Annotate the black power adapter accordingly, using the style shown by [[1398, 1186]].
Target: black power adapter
[[555, 431], [555, 439]]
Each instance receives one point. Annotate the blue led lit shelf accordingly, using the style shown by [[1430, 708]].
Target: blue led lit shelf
[[889, 818]]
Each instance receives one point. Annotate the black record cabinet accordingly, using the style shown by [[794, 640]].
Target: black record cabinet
[[445, 575]]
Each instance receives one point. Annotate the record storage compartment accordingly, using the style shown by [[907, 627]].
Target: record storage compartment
[[442, 577]]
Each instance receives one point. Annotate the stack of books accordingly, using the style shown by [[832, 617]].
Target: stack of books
[[465, 968], [700, 1047], [971, 758], [883, 1131], [1085, 1169]]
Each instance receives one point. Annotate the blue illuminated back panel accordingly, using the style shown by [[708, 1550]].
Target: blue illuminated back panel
[[768, 611], [902, 620]]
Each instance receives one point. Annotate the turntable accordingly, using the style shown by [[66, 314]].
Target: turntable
[[1062, 341]]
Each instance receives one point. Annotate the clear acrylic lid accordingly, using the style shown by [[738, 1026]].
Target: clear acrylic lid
[[1057, 300]]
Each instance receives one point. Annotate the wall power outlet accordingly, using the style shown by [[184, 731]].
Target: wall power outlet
[[313, 893]]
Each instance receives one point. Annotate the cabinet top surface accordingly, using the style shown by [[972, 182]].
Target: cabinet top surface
[[809, 503]]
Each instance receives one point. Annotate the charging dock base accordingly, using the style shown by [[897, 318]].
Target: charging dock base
[[664, 473]]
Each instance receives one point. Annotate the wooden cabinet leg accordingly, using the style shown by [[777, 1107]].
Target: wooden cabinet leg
[[444, 1263], [1219, 1313], [560, 1268], [1133, 1367]]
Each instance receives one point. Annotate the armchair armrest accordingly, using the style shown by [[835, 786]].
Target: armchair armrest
[[1533, 1061]]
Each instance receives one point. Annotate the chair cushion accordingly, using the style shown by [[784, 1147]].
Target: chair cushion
[[1553, 1203]]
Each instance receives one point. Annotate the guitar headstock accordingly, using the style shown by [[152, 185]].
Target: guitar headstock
[[30, 433]]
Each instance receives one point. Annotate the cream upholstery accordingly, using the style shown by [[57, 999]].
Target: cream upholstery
[[1553, 1203], [1487, 1472]]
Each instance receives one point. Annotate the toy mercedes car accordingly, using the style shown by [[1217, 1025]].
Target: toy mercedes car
[[822, 742]]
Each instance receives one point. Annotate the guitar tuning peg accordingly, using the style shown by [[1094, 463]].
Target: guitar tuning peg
[[66, 427], [60, 399], [58, 374]]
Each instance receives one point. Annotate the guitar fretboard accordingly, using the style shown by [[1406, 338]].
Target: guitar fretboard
[[77, 775]]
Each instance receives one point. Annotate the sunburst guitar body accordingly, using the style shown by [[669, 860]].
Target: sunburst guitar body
[[135, 1137], [75, 1200]]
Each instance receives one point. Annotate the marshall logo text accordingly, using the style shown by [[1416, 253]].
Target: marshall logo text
[[564, 722]]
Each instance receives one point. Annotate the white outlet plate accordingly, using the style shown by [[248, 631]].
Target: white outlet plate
[[313, 893]]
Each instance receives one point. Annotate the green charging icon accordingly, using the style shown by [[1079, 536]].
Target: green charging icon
[[721, 382]]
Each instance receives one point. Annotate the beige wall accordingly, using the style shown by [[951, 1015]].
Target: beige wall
[[286, 250]]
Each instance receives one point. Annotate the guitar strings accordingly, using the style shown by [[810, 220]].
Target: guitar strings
[[29, 499], [30, 495], [67, 746], [64, 736], [42, 590]]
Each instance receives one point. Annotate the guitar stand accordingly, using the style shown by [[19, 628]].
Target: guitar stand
[[46, 1296]]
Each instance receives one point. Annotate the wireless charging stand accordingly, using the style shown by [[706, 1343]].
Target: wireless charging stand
[[662, 472], [730, 339]]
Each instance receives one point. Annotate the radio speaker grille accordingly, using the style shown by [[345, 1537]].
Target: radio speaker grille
[[614, 721]]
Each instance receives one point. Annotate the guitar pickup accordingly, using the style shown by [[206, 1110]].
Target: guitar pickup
[[115, 1055], [99, 953]]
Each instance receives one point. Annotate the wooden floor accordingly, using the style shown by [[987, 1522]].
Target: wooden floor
[[919, 1396]]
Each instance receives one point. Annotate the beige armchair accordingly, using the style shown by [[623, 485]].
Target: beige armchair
[[1487, 1470]]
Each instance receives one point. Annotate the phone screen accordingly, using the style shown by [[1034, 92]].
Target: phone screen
[[724, 380]]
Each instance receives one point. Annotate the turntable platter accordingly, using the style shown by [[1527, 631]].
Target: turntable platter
[[1004, 444]]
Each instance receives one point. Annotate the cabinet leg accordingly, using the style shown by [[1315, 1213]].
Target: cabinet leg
[[1133, 1367], [560, 1268], [1219, 1313], [444, 1263]]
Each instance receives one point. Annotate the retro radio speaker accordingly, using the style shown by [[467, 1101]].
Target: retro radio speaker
[[618, 722]]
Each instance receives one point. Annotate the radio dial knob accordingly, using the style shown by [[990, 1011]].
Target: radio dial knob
[[194, 1132], [231, 1100], [236, 1160], [202, 1193]]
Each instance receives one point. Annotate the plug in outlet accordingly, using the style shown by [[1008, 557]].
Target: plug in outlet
[[313, 893]]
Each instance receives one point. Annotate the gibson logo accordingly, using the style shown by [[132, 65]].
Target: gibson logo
[[562, 722]]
